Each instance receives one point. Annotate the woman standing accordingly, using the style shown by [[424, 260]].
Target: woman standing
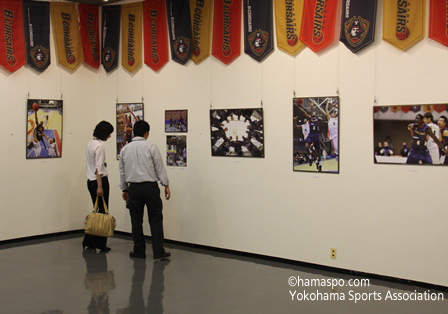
[[97, 182]]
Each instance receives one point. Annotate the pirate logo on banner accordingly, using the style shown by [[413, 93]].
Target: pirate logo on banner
[[258, 41], [182, 47], [356, 30], [108, 57], [40, 56]]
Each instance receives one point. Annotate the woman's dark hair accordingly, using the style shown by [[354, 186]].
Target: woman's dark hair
[[103, 130], [140, 128]]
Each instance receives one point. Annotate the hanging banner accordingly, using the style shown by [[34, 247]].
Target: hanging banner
[[37, 34], [131, 19], [226, 45], [180, 30], [155, 34], [12, 40], [68, 39], [438, 21], [201, 13], [288, 23], [110, 36], [90, 34], [258, 30], [318, 23], [403, 22], [358, 23]]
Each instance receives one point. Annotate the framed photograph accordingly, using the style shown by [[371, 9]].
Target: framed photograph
[[176, 120], [176, 151], [316, 134], [44, 128], [416, 135], [127, 115], [237, 132]]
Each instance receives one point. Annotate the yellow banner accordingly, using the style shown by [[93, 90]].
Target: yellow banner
[[403, 22], [68, 38], [200, 12], [288, 22], [131, 45]]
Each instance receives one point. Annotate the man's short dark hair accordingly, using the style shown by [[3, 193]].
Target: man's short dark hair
[[445, 119], [140, 128], [103, 130], [429, 115]]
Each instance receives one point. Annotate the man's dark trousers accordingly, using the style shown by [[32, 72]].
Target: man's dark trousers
[[141, 194]]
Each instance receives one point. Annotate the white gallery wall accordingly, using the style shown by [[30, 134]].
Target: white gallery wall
[[382, 219]]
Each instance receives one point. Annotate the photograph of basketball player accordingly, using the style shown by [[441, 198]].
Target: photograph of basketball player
[[176, 120], [237, 132], [421, 134], [316, 134], [396, 126], [127, 115], [176, 151], [44, 128]]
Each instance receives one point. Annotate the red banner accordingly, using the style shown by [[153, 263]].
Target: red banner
[[438, 24], [12, 38], [155, 34], [227, 30], [318, 23], [88, 16]]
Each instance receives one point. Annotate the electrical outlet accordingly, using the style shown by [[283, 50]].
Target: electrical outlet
[[333, 253]]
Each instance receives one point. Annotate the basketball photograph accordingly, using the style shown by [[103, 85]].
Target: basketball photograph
[[176, 120], [237, 132], [176, 151], [44, 129], [415, 135], [127, 115], [316, 134]]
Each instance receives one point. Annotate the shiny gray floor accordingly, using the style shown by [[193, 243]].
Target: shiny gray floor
[[56, 276]]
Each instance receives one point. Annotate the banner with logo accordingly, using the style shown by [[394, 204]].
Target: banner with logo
[[226, 45], [288, 22], [90, 34], [438, 21], [155, 34], [258, 29], [201, 14], [110, 36], [37, 34], [318, 23], [403, 22], [68, 38], [12, 39], [131, 45], [358, 23], [179, 23]]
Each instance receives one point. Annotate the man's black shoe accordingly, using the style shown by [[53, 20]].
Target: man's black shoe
[[163, 255], [137, 255]]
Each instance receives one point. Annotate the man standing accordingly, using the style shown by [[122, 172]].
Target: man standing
[[433, 148], [141, 168]]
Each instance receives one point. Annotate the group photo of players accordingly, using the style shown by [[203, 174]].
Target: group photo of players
[[237, 132], [44, 129], [316, 134], [176, 120], [416, 135], [176, 151], [127, 115]]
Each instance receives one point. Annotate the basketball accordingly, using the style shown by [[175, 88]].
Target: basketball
[[299, 101], [35, 106]]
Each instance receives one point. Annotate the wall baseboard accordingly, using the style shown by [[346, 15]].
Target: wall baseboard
[[74, 233]]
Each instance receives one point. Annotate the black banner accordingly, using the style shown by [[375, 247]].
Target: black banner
[[179, 23], [110, 31], [37, 34], [258, 29], [358, 23]]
